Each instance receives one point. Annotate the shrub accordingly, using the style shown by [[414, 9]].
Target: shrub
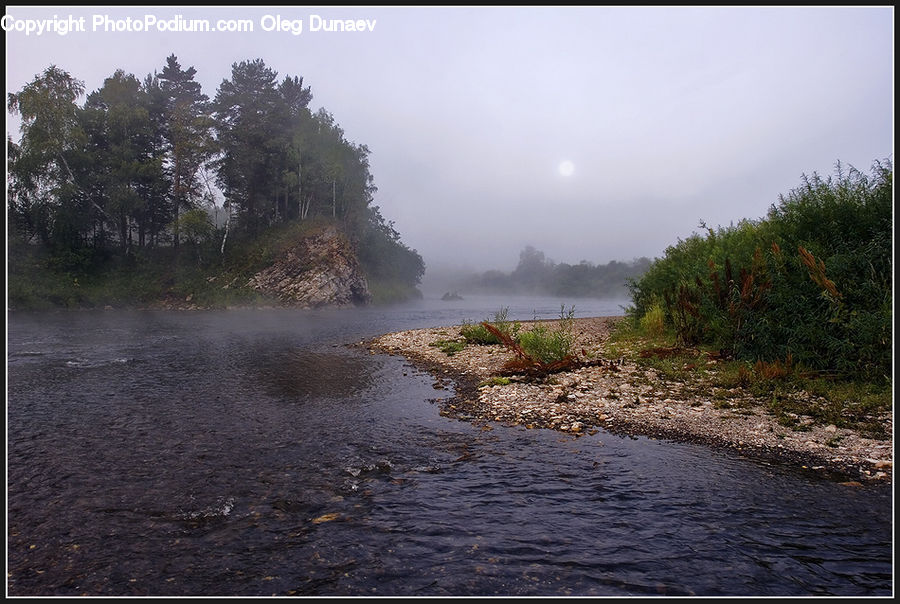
[[477, 333], [812, 281], [652, 322], [550, 345], [546, 345]]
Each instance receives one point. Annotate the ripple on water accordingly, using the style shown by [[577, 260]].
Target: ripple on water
[[252, 453]]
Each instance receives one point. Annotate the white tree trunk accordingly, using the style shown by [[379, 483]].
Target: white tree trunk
[[300, 211], [227, 223]]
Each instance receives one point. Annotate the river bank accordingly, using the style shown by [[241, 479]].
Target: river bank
[[624, 397]]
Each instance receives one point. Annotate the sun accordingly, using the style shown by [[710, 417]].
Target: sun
[[566, 168]]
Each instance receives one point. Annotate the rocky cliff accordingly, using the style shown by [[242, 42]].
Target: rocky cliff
[[319, 270]]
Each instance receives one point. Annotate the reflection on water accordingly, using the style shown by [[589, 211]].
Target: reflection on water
[[303, 374], [253, 453]]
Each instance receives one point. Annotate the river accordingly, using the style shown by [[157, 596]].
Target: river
[[255, 452]]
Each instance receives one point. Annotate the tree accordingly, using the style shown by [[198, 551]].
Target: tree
[[135, 161], [249, 140], [384, 256], [295, 133], [43, 188], [197, 228], [533, 269], [187, 128], [125, 174]]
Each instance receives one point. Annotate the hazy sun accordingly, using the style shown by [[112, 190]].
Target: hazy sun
[[566, 168]]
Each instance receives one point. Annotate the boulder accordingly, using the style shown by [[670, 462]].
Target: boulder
[[319, 270]]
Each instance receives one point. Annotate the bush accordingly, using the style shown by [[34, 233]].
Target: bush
[[812, 281], [652, 322], [550, 345], [546, 345], [476, 333]]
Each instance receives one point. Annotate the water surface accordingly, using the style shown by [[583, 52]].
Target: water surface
[[251, 452]]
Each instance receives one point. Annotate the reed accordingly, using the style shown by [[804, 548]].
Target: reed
[[829, 307]]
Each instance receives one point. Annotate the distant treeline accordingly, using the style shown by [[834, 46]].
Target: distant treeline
[[139, 164], [808, 287], [536, 274]]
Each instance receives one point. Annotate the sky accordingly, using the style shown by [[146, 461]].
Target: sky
[[589, 133]]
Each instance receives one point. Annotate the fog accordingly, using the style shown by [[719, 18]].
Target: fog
[[667, 116]]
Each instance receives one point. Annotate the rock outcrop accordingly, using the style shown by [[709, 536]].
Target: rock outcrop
[[319, 270]]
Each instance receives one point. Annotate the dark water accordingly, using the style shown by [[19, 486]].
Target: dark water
[[254, 453]]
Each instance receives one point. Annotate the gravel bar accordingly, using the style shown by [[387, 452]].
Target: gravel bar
[[621, 397]]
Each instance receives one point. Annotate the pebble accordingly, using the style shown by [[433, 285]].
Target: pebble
[[626, 399]]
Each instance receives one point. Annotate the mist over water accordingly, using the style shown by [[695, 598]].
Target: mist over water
[[257, 452], [253, 452]]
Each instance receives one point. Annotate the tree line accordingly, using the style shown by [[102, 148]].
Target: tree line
[[140, 164], [537, 274]]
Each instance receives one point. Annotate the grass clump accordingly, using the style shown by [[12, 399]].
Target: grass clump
[[449, 347], [477, 333], [495, 381], [652, 322], [858, 406], [546, 345], [796, 396], [550, 345]]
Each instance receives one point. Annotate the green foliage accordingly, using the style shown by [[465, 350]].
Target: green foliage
[[546, 345], [812, 281], [476, 333], [43, 201], [195, 225], [653, 321], [131, 172], [504, 325], [495, 381], [798, 398], [39, 279], [449, 347], [550, 345], [196, 228], [385, 259], [391, 292]]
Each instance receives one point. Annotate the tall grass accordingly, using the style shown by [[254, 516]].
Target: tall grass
[[477, 333], [550, 344], [811, 282]]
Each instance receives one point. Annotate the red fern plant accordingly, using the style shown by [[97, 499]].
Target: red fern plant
[[817, 274], [524, 362], [775, 369]]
